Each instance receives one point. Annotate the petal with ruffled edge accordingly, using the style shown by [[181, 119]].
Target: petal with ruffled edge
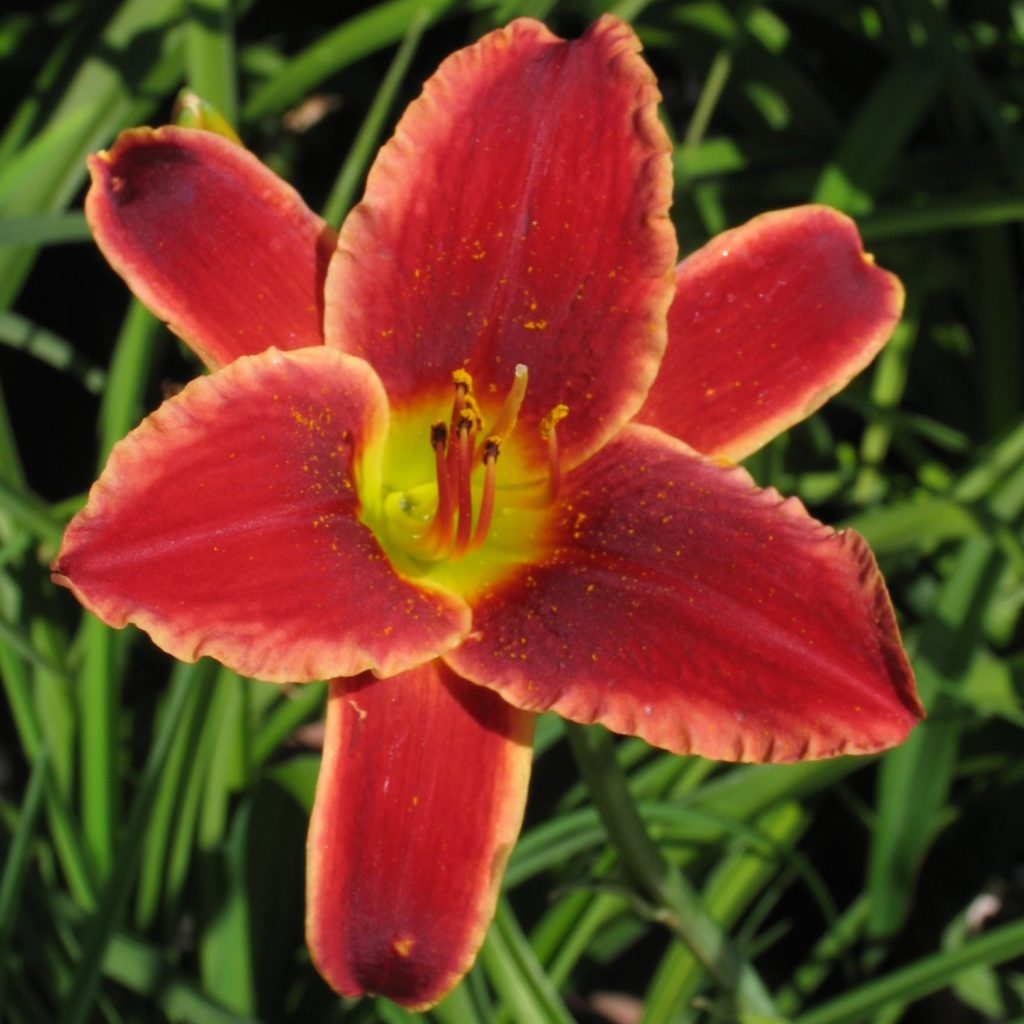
[[227, 525], [419, 801], [211, 240], [681, 604], [769, 321], [519, 215]]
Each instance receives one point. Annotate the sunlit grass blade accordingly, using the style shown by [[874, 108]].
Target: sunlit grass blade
[[210, 54], [361, 35], [100, 683], [515, 974], [361, 152], [122, 404], [225, 945]]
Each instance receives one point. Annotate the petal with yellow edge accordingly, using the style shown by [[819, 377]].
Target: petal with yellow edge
[[769, 321], [518, 216], [211, 240], [419, 801], [680, 603], [227, 524]]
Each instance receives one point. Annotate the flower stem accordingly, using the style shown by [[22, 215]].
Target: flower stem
[[660, 882]]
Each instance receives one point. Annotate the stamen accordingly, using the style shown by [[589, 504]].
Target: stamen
[[483, 523], [464, 464], [463, 403], [440, 532], [549, 433]]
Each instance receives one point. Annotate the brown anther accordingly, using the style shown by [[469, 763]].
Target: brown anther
[[553, 418]]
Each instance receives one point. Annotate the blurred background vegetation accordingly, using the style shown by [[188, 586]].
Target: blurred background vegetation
[[152, 815]]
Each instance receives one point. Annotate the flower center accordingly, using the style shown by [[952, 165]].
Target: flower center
[[473, 511]]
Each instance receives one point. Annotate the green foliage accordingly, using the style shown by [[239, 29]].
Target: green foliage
[[152, 815]]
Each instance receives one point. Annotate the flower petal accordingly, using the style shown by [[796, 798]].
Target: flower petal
[[419, 801], [519, 215], [227, 524], [682, 604], [769, 321], [211, 240]]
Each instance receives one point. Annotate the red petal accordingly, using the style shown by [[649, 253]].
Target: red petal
[[680, 603], [519, 215], [227, 524], [211, 240], [769, 321], [419, 802]]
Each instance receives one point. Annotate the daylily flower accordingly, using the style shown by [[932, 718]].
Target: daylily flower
[[437, 463]]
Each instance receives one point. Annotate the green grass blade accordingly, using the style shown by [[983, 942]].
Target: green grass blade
[[71, 853], [77, 1003], [170, 824], [99, 701], [134, 352], [295, 707], [368, 138], [97, 102], [379, 27], [516, 975], [23, 335], [732, 887], [921, 978], [146, 972], [44, 229], [878, 134], [16, 863], [942, 214], [595, 753], [210, 55]]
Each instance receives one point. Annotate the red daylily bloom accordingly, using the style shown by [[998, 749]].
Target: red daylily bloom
[[437, 462]]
